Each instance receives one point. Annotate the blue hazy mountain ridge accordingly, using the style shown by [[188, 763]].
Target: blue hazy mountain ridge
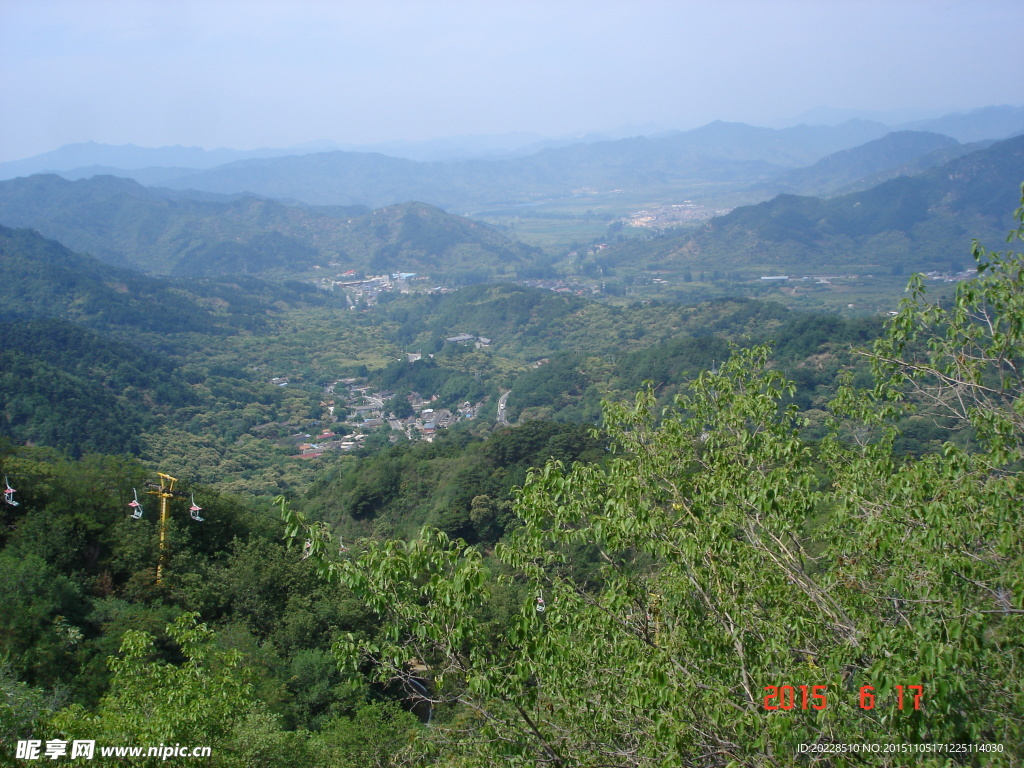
[[901, 153], [151, 176], [839, 170], [149, 165], [1002, 122], [724, 152], [922, 222], [76, 158], [915, 166], [163, 232], [983, 124], [987, 123], [130, 157], [720, 151], [906, 223]]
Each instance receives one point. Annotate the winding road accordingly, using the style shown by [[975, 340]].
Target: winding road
[[502, 413]]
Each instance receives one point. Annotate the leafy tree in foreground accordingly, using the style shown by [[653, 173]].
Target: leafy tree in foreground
[[206, 701], [752, 597]]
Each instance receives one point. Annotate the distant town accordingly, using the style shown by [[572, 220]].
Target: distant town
[[362, 291], [673, 215]]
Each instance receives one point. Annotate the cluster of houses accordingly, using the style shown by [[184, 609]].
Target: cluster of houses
[[953, 277], [365, 410], [311, 446], [364, 290], [673, 215], [355, 409], [560, 286], [462, 338], [947, 277]]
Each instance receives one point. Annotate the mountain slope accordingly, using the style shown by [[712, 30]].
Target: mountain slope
[[65, 384], [43, 279], [919, 223], [849, 166], [124, 223], [89, 351], [71, 388], [166, 232]]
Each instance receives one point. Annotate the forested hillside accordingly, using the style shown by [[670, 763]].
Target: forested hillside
[[847, 167], [164, 232], [42, 278]]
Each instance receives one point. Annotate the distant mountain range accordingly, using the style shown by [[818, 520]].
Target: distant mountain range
[[922, 222], [869, 164], [129, 157], [161, 232], [906, 199], [731, 154], [977, 125], [724, 153]]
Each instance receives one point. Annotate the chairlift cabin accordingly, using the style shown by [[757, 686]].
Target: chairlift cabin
[[9, 493], [135, 506], [195, 509]]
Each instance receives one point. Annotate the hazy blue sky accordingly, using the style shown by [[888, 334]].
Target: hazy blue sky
[[246, 74]]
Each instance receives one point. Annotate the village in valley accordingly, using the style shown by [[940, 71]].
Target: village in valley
[[352, 410], [672, 215], [362, 291], [366, 412]]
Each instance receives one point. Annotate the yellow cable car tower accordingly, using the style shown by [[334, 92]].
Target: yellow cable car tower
[[165, 491]]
